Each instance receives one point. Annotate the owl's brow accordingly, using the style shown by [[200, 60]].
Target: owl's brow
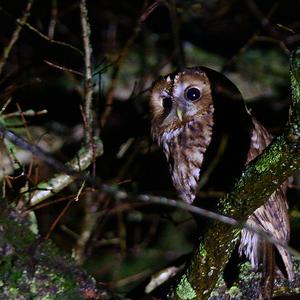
[[170, 77]]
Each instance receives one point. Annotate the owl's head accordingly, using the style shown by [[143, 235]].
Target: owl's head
[[194, 93], [178, 98]]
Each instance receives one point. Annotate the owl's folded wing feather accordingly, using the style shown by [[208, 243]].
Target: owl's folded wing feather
[[271, 217]]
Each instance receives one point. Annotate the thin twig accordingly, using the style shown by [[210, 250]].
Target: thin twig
[[15, 35], [45, 37], [264, 20], [123, 53], [257, 38], [217, 217], [25, 125], [63, 68], [61, 214], [48, 203], [26, 113], [53, 20]]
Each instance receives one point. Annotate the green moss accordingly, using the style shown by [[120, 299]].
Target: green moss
[[185, 290], [270, 160], [236, 233], [225, 206], [202, 252], [235, 292], [32, 268], [245, 268], [296, 90], [13, 291], [43, 186]]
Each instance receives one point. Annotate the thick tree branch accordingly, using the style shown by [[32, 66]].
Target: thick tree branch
[[257, 183]]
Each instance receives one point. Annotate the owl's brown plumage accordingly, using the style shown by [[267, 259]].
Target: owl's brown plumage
[[193, 111], [184, 129]]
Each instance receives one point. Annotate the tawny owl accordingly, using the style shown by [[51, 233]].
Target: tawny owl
[[197, 112]]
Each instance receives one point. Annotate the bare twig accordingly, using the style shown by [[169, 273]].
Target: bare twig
[[92, 150], [25, 125], [26, 113], [16, 34], [216, 217], [257, 38], [123, 53], [45, 204], [253, 39], [45, 37], [63, 68], [88, 109], [264, 20], [53, 20], [272, 29], [61, 214]]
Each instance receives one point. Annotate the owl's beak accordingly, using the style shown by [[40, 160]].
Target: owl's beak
[[179, 113]]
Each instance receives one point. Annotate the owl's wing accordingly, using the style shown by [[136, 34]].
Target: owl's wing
[[271, 217]]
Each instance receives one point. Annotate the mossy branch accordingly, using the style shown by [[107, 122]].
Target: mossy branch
[[259, 180], [33, 268], [79, 163]]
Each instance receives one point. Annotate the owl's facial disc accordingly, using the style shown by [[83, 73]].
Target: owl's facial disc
[[182, 105], [177, 100]]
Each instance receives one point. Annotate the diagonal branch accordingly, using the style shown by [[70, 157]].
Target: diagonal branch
[[15, 35], [257, 183]]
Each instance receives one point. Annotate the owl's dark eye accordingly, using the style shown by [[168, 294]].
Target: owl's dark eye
[[167, 102], [192, 94]]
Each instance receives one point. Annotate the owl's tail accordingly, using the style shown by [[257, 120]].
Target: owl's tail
[[261, 254]]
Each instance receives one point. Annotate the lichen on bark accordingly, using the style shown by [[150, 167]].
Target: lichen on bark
[[33, 268], [185, 290]]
